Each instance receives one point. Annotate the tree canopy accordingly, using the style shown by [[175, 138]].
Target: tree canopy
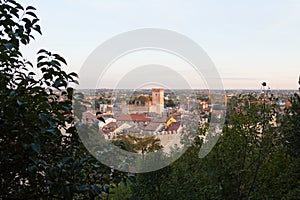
[[41, 153]]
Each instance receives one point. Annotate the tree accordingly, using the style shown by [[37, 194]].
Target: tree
[[292, 128], [249, 156], [248, 162], [135, 144], [169, 103], [146, 185], [41, 155], [291, 131]]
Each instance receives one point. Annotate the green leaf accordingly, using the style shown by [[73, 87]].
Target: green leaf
[[24, 41], [9, 46], [31, 14], [59, 82], [41, 58], [55, 63], [82, 187], [58, 57], [42, 51], [34, 21], [40, 64], [29, 63], [65, 160], [34, 159], [76, 82], [36, 147], [38, 29], [70, 92], [12, 93], [18, 6], [43, 117], [20, 102], [30, 8], [27, 21], [52, 131], [97, 191], [73, 74], [32, 168]]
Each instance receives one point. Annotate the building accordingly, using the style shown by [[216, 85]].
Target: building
[[133, 118], [157, 104]]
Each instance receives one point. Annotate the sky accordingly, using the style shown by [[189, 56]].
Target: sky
[[248, 41]]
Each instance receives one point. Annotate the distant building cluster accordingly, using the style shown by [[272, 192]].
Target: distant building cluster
[[162, 113], [150, 117], [135, 123]]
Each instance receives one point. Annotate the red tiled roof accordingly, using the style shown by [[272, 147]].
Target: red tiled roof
[[133, 117]]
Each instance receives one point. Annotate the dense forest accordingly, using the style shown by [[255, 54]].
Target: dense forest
[[253, 159]]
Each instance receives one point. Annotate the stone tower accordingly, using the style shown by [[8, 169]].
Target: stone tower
[[157, 100]]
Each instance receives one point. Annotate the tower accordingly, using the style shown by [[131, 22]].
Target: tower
[[157, 100]]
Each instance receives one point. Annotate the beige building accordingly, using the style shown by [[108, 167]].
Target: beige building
[[157, 104], [154, 106]]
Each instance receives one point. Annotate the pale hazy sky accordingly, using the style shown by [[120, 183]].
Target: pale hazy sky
[[248, 41]]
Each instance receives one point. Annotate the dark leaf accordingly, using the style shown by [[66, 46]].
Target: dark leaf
[[29, 63], [73, 74], [20, 102], [36, 147], [57, 83], [30, 8], [31, 14], [43, 117], [58, 57], [105, 189], [96, 189], [34, 21], [9, 46], [31, 74], [41, 58], [42, 51]]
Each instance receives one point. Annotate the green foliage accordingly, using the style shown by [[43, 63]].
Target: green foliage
[[41, 155], [142, 100], [121, 192], [251, 160], [240, 160], [135, 144], [291, 132], [169, 103], [292, 122]]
